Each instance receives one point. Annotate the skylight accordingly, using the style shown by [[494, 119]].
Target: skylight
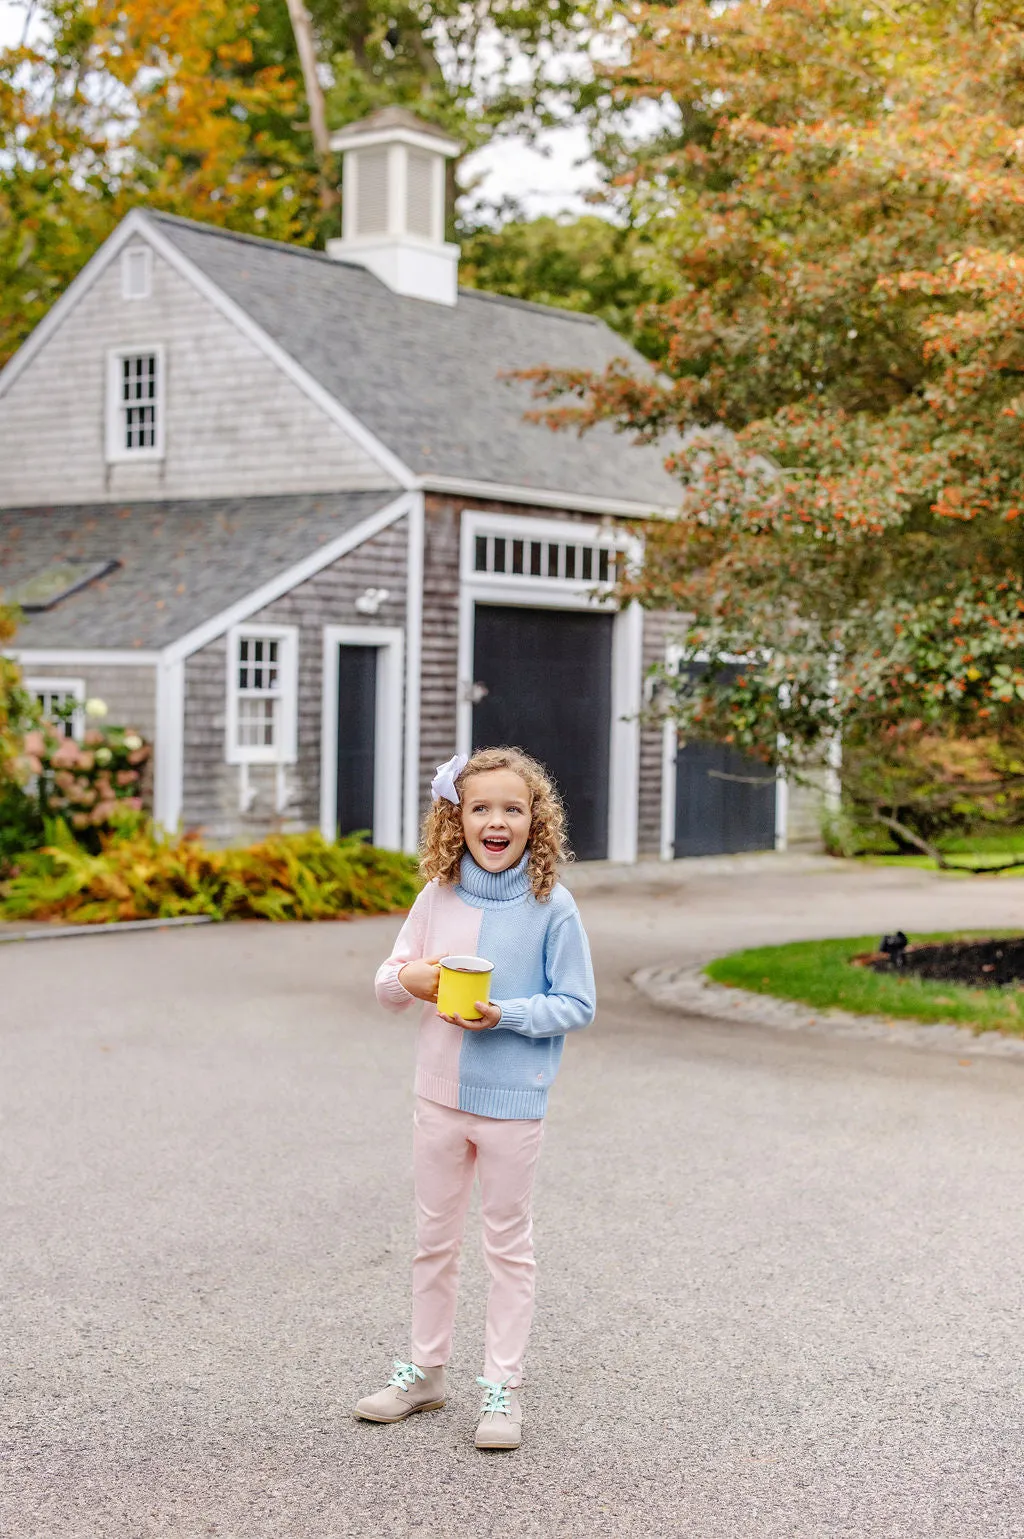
[[47, 588]]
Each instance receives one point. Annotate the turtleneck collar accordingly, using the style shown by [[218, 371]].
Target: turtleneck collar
[[493, 889]]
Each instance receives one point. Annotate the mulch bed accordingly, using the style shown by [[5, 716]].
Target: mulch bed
[[987, 964]]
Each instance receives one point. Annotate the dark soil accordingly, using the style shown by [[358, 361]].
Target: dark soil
[[987, 964]]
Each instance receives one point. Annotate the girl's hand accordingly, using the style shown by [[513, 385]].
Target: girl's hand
[[420, 978], [490, 1015]]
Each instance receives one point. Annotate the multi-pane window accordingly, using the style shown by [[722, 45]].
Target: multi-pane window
[[61, 702], [139, 382], [262, 683], [259, 691], [135, 404]]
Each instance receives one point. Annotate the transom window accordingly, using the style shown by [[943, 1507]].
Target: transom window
[[262, 684], [565, 559], [135, 406]]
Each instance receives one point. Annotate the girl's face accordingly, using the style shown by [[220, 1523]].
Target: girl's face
[[496, 818]]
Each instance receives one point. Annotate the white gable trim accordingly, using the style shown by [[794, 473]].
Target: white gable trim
[[285, 581], [137, 225], [540, 497], [76, 290], [244, 322]]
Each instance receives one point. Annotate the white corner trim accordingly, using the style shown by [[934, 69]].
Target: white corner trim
[[387, 764], [285, 581], [58, 657], [243, 321], [669, 750], [627, 703], [134, 225], [169, 760], [413, 672], [542, 497]]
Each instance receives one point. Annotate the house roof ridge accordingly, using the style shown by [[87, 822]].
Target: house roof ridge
[[245, 238], [493, 297], [265, 241]]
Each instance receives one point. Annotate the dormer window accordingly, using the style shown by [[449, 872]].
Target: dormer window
[[135, 404]]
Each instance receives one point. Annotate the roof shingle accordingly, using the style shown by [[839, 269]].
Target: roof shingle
[[426, 378]]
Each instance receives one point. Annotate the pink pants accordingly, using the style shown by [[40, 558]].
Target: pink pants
[[447, 1146]]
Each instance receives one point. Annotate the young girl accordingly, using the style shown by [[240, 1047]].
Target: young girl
[[491, 847]]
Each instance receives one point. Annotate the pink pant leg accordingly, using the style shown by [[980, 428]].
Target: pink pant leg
[[443, 1164], [507, 1155]]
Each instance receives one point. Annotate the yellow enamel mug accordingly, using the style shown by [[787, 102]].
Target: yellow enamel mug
[[461, 982]]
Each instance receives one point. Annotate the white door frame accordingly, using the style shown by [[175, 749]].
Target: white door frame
[[669, 746], [387, 767], [564, 594]]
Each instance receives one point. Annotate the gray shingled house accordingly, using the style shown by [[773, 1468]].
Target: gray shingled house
[[282, 510]]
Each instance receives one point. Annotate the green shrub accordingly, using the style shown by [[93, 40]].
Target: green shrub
[[138, 875]]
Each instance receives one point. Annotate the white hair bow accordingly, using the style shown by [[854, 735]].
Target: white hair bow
[[443, 783]]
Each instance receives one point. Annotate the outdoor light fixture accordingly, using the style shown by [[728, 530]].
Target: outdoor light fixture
[[370, 600], [894, 947]]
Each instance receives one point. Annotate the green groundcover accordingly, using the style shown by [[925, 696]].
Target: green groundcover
[[821, 973]]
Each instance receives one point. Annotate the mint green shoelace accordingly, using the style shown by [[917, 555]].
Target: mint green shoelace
[[497, 1400], [405, 1376]]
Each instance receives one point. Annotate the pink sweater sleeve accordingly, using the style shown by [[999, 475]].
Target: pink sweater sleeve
[[408, 948]]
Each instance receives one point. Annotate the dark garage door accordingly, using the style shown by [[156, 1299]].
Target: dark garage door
[[548, 676], [720, 816]]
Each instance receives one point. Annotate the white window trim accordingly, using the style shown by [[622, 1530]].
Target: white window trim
[[140, 257], [563, 593], [285, 751], [388, 765], [73, 687], [117, 454]]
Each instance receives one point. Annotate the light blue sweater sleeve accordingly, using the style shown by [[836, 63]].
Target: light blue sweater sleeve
[[570, 1001]]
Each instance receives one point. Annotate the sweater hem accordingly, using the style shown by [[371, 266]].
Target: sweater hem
[[433, 1087], [506, 1104]]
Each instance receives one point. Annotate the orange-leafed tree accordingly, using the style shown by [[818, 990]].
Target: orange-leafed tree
[[157, 101], [842, 194]]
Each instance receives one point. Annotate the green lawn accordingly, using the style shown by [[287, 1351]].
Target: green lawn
[[974, 852], [819, 973]]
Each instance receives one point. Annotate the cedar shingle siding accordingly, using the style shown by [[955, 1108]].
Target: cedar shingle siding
[[211, 794]]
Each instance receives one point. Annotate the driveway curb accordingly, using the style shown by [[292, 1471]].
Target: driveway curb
[[115, 927], [688, 991]]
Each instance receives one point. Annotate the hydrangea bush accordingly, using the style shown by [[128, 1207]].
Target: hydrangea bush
[[94, 784]]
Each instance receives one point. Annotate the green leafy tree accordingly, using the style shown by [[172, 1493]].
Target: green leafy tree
[[587, 264], [843, 199]]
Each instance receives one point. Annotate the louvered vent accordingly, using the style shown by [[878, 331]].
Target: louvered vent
[[419, 190], [371, 187]]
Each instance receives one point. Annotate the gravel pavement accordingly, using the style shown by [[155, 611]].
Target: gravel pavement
[[780, 1274]]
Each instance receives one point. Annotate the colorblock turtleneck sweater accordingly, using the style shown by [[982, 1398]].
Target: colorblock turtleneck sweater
[[543, 980]]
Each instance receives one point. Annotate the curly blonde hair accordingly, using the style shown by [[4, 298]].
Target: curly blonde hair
[[443, 842]]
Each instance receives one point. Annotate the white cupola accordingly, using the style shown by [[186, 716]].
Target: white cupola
[[394, 202]]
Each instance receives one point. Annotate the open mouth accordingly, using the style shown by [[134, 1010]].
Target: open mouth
[[495, 844]]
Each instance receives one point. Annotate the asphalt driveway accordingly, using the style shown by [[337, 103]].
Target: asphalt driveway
[[780, 1276]]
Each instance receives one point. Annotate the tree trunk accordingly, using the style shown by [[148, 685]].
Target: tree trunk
[[302, 27]]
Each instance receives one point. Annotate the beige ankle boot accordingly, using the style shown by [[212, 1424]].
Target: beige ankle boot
[[501, 1417], [408, 1390]]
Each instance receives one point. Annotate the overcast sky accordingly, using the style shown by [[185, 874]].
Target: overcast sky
[[545, 183]]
